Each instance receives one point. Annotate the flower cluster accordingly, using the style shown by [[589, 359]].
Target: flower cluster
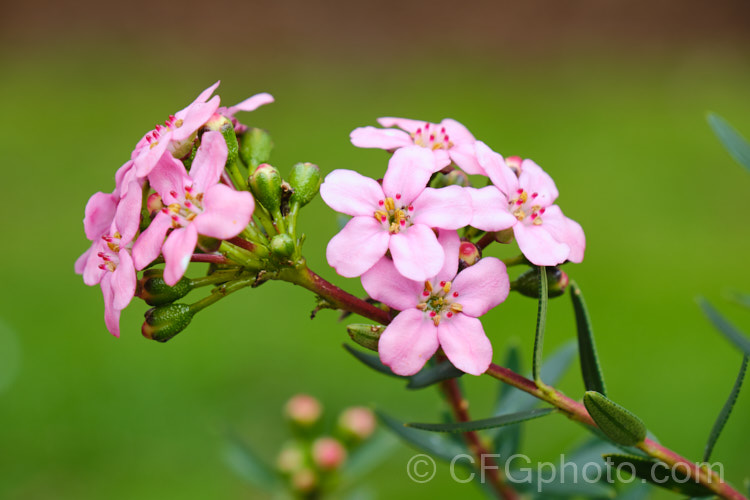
[[403, 238], [171, 196]]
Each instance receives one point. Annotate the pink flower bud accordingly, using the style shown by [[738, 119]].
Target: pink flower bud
[[303, 410], [358, 422], [154, 203], [514, 163], [304, 480], [468, 254], [328, 453], [290, 459]]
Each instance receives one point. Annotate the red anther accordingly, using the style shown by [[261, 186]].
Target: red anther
[[189, 189], [520, 191], [442, 284], [149, 139], [445, 138], [381, 203], [534, 215], [188, 204], [426, 293], [427, 126], [101, 255], [541, 210], [433, 314], [449, 314], [403, 223], [103, 267], [383, 218], [534, 195], [519, 202], [173, 193], [442, 130], [411, 208], [398, 196], [165, 211], [455, 294], [174, 218], [419, 131], [432, 137]]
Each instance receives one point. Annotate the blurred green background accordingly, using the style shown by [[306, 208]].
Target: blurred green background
[[609, 98]]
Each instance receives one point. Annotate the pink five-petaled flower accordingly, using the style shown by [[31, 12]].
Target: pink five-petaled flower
[[111, 223], [525, 202], [397, 216], [440, 312], [193, 204], [177, 133], [448, 140]]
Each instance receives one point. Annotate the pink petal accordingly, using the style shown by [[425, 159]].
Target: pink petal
[[148, 157], [482, 286], [351, 193], [535, 180], [209, 161], [92, 274], [457, 132], [226, 212], [357, 247], [81, 261], [128, 216], [195, 116], [252, 103], [177, 251], [99, 214], [538, 245], [464, 342], [465, 157], [408, 342], [148, 245], [409, 170], [566, 231], [495, 167], [442, 159], [385, 284], [203, 96], [169, 175], [123, 281], [445, 208], [410, 126], [111, 313], [490, 209], [451, 243], [416, 253], [371, 137]]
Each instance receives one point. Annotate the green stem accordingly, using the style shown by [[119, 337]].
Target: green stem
[[518, 260], [240, 255], [220, 292], [221, 276]]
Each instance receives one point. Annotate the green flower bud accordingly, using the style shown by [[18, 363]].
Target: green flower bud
[[266, 186], [305, 180], [164, 322], [152, 288], [282, 245], [365, 335], [452, 178], [528, 283], [255, 147]]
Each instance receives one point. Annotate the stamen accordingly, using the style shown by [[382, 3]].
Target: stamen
[[455, 294], [428, 286], [456, 307], [449, 314], [447, 287], [389, 204]]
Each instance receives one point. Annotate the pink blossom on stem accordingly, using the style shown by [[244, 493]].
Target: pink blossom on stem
[[193, 204], [442, 311], [397, 216], [526, 203], [448, 140]]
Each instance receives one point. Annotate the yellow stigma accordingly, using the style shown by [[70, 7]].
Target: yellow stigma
[[519, 214]]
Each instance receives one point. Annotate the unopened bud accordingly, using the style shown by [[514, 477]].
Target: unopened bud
[[255, 147], [266, 186], [164, 322], [290, 459], [305, 181], [365, 335], [217, 122], [514, 163], [453, 178], [304, 480], [282, 245], [528, 283], [468, 254], [154, 203], [328, 453], [505, 236], [155, 292], [357, 422], [303, 410]]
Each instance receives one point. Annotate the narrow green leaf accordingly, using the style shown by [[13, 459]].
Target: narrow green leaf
[[725, 327], [366, 335], [617, 423], [371, 360], [541, 320], [726, 410], [659, 475], [734, 143], [433, 374], [246, 464], [637, 492], [428, 442], [486, 423], [593, 379], [371, 453]]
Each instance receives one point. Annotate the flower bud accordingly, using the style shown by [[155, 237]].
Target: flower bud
[[304, 480], [164, 322], [266, 186], [453, 178], [514, 163], [328, 453], [305, 181], [217, 122], [357, 422], [290, 459], [282, 245], [154, 203], [505, 236], [255, 147], [468, 254], [528, 283], [155, 292], [365, 335], [303, 410]]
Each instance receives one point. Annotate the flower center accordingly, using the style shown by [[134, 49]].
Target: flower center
[[394, 214], [431, 137], [184, 211], [525, 208], [439, 302], [109, 256], [169, 125]]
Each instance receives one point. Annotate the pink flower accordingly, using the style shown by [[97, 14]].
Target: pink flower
[[177, 133], [397, 216], [193, 204], [525, 202], [440, 312], [448, 140], [249, 104]]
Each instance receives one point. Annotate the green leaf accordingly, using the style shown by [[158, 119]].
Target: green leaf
[[428, 442], [371, 360], [734, 143], [433, 374], [726, 410], [486, 423], [742, 299], [637, 492], [368, 455], [725, 327], [617, 423], [660, 475], [593, 379], [541, 320], [366, 335], [246, 464]]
